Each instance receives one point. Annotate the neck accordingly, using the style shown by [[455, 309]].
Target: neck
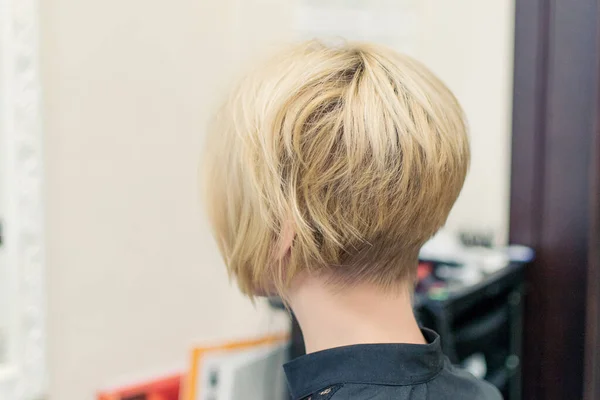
[[361, 314]]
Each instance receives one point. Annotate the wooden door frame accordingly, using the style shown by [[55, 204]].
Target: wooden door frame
[[554, 193], [592, 344]]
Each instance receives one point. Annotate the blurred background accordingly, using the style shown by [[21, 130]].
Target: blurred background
[[108, 272]]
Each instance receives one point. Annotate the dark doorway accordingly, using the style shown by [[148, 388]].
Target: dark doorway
[[554, 192]]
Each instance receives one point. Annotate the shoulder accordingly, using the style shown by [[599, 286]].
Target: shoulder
[[458, 383]]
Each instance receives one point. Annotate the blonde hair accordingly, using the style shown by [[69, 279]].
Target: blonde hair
[[358, 151]]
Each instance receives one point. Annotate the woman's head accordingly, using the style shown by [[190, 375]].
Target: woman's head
[[333, 160]]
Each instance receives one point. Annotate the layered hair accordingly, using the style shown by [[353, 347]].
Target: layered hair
[[339, 161]]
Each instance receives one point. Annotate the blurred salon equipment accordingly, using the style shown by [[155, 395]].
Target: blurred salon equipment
[[480, 324]]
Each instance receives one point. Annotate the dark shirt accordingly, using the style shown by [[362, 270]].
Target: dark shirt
[[384, 372]]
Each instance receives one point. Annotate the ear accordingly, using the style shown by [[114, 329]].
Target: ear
[[283, 246], [286, 239]]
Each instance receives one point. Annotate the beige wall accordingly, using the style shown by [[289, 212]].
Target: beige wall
[[133, 275], [469, 44]]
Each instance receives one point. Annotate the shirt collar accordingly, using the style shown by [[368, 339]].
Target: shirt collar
[[378, 364]]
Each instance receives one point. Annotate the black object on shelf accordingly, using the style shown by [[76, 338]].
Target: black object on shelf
[[485, 318]]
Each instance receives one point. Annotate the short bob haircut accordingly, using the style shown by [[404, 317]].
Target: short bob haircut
[[337, 161]]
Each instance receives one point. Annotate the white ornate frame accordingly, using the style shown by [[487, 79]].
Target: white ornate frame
[[23, 376]]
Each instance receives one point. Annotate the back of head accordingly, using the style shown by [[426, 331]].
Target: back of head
[[335, 160]]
